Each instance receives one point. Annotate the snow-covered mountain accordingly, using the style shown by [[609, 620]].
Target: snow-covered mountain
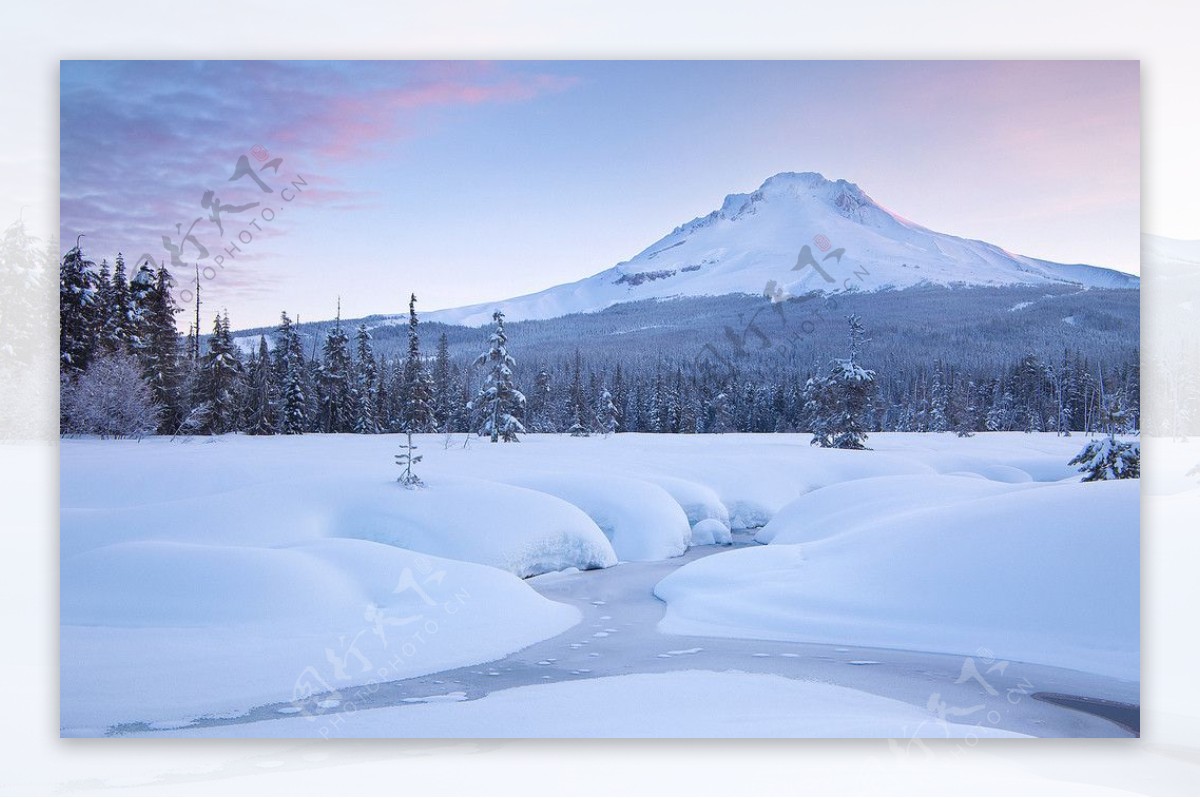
[[758, 238]]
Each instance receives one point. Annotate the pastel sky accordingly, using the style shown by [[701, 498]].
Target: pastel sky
[[467, 182]]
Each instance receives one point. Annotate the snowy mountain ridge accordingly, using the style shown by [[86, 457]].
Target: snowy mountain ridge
[[794, 234]]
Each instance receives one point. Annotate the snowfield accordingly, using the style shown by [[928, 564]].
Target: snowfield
[[207, 577], [685, 703]]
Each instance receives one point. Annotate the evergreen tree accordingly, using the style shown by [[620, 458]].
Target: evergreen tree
[[290, 376], [1000, 415], [577, 405], [117, 332], [159, 351], [141, 290], [578, 429], [541, 403], [23, 323], [606, 413], [392, 396], [418, 385], [1109, 458], [220, 377], [963, 412], [620, 396], [498, 400], [445, 392], [406, 459], [336, 407], [259, 418], [418, 406], [720, 415], [838, 402], [78, 311], [939, 393], [104, 303], [365, 392]]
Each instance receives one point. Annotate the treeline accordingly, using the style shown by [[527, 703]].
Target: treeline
[[126, 370]]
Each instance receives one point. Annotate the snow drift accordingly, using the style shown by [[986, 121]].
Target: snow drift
[[203, 630], [1045, 574]]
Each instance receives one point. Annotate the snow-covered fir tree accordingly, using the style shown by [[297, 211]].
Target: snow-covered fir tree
[[407, 458], [499, 402], [78, 311], [606, 413], [577, 403], [418, 384], [540, 417], [578, 428], [838, 402], [1108, 457], [290, 377], [445, 388], [620, 396], [261, 399], [963, 412], [141, 287], [939, 396], [365, 385], [220, 380], [334, 374], [159, 351], [116, 331], [418, 406], [720, 417]]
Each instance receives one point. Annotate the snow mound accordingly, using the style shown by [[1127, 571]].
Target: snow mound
[[847, 506], [207, 630], [640, 518], [1045, 574], [699, 502], [689, 703], [998, 456], [710, 531], [156, 583], [523, 531]]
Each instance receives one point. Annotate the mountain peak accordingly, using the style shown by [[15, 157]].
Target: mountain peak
[[792, 181], [844, 196], [753, 240]]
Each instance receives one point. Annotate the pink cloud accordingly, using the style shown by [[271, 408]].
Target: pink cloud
[[353, 122]]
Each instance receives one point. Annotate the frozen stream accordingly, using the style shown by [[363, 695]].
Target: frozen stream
[[618, 635]]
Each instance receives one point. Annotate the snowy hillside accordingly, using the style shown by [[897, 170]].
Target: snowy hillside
[[756, 238]]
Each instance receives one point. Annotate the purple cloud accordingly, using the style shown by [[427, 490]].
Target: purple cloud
[[142, 142]]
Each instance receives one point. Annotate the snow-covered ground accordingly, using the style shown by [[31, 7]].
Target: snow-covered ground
[[685, 703], [1045, 574], [207, 577]]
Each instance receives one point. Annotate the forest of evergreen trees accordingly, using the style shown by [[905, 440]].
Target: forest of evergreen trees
[[126, 370]]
